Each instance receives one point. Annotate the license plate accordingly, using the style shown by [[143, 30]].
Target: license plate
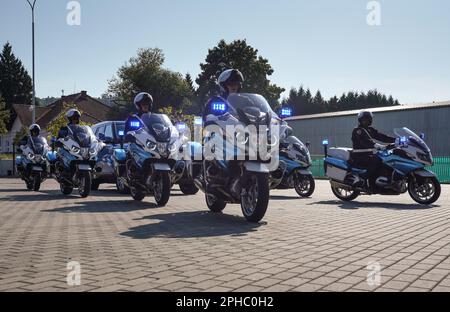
[[161, 167], [84, 167]]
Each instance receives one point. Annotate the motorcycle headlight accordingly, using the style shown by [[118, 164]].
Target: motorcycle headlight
[[173, 147], [75, 149], [151, 145], [31, 156]]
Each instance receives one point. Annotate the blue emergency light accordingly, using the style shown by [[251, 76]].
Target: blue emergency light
[[219, 107], [325, 142], [135, 124], [121, 133], [286, 112]]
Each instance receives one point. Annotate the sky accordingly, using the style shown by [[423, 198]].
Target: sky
[[326, 45]]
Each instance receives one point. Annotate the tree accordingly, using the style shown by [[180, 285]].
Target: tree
[[15, 82], [144, 73], [4, 117], [61, 120], [237, 54]]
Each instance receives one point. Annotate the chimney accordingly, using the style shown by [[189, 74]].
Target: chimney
[[83, 94]]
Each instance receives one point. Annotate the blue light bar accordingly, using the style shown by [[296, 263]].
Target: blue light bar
[[219, 107], [286, 112], [135, 124], [198, 121], [121, 133], [181, 126], [403, 140], [325, 142]]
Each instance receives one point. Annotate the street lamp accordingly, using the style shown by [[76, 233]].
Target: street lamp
[[33, 112]]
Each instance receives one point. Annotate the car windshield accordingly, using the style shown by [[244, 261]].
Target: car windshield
[[412, 137], [83, 135], [158, 125], [38, 144], [253, 104]]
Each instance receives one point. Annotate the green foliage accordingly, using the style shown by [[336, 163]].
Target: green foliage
[[15, 83], [237, 54], [19, 135], [144, 73], [4, 116], [61, 120], [303, 103]]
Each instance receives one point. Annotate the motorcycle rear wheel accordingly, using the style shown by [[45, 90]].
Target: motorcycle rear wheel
[[343, 194]]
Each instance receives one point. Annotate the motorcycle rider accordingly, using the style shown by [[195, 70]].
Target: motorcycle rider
[[230, 82], [35, 130], [364, 139], [73, 116], [144, 104]]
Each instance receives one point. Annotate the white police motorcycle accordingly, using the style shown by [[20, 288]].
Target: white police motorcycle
[[152, 151], [34, 165], [236, 162], [77, 155], [403, 170]]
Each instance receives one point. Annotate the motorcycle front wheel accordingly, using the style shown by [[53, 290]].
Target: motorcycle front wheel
[[255, 196], [188, 189], [425, 191], [66, 190], [304, 184], [85, 184], [161, 186], [37, 182]]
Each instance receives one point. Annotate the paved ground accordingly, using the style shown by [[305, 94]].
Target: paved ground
[[315, 244]]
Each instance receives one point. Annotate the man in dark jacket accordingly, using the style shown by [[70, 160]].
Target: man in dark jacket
[[144, 104], [365, 139]]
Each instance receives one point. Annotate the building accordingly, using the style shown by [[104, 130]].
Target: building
[[94, 111], [433, 120]]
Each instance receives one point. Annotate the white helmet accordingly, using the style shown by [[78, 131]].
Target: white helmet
[[73, 112], [228, 76], [34, 127], [141, 97]]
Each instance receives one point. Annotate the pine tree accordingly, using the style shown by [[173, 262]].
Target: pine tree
[[15, 82]]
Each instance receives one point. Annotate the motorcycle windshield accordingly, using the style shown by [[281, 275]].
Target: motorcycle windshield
[[412, 138], [38, 144], [83, 135], [159, 126], [253, 106]]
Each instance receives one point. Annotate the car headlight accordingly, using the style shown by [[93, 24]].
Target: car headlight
[[151, 145]]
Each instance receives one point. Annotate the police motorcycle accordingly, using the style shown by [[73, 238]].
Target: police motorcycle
[[231, 169], [179, 173], [77, 155], [150, 157], [34, 166], [295, 161], [403, 170]]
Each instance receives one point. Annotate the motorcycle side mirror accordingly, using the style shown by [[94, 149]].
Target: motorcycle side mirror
[[422, 136], [308, 144]]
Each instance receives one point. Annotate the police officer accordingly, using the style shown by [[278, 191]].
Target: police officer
[[73, 117], [230, 81], [144, 104], [364, 139]]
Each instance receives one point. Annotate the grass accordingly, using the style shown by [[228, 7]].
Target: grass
[[6, 156]]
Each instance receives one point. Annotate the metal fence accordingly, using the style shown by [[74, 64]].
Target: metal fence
[[441, 168]]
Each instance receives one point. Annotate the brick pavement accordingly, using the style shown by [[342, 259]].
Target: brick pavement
[[314, 244]]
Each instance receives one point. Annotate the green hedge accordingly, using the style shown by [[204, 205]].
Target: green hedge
[[441, 168]]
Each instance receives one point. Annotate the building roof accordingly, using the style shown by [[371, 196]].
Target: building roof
[[374, 110], [94, 111]]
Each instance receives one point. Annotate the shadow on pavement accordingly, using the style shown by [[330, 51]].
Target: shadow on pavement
[[192, 224], [283, 197], [357, 205], [86, 206]]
